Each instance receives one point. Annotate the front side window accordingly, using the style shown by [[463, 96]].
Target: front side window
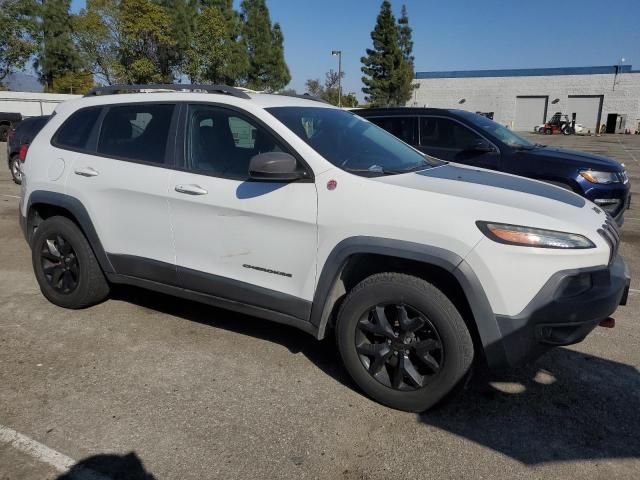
[[404, 128], [74, 132], [136, 132], [440, 132], [221, 142], [351, 142], [502, 133]]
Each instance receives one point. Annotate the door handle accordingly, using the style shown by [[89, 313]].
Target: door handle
[[191, 189], [87, 172]]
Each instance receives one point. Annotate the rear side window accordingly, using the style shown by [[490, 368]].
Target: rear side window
[[136, 132], [405, 128], [75, 131]]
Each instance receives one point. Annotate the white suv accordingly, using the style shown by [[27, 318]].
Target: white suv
[[301, 213]]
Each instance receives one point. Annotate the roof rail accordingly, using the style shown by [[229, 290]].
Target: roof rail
[[173, 87], [306, 96]]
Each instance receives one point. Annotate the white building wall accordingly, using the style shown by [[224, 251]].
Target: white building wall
[[31, 104], [498, 94]]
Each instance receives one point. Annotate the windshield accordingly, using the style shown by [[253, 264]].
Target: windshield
[[352, 143], [497, 130]]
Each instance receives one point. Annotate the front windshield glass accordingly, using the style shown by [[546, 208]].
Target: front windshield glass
[[352, 143], [497, 130]]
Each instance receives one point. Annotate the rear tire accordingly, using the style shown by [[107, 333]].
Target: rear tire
[[16, 170], [65, 266], [402, 341]]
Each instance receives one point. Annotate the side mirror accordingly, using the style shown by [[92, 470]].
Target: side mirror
[[275, 166], [481, 146]]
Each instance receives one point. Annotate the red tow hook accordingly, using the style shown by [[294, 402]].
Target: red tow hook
[[608, 322]]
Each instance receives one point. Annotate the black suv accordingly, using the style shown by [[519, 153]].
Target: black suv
[[18, 141], [472, 139]]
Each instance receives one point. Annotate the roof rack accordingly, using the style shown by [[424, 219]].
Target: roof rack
[[306, 96], [170, 87]]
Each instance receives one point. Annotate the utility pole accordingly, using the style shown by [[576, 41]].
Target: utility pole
[[338, 53]]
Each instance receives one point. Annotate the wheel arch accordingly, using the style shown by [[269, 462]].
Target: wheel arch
[[44, 204], [356, 258]]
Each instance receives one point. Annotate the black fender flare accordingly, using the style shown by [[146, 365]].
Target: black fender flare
[[484, 316], [81, 216]]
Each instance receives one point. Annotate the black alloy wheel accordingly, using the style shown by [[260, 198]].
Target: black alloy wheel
[[399, 346], [60, 264]]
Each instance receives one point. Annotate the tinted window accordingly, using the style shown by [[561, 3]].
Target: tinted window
[[221, 142], [497, 130], [402, 127], [136, 132], [75, 132], [350, 142], [445, 133]]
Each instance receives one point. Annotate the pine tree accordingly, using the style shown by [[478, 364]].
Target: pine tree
[[237, 61], [265, 48], [57, 55], [208, 54], [406, 73], [183, 14], [385, 69]]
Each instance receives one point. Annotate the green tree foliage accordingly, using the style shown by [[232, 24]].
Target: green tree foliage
[[329, 91], [208, 54], [145, 31], [406, 71], [265, 48], [16, 43], [73, 82], [183, 14], [388, 66], [237, 61], [57, 54], [96, 33]]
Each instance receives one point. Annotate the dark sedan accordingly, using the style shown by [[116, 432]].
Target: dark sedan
[[18, 141], [472, 139]]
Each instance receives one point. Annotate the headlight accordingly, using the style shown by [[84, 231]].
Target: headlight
[[594, 176], [532, 237]]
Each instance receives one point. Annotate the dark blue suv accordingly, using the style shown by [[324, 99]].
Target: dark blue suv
[[471, 139]]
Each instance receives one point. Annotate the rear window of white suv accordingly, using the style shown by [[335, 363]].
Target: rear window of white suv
[[75, 131]]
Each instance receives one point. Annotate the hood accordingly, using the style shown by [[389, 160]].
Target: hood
[[576, 159], [494, 194]]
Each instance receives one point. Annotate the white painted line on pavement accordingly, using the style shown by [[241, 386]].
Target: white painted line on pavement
[[12, 196], [44, 454], [628, 152], [634, 290]]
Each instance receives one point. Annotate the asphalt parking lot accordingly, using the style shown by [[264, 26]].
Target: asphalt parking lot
[[147, 384]]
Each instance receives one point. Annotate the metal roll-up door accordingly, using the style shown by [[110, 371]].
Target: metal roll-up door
[[587, 108], [530, 112]]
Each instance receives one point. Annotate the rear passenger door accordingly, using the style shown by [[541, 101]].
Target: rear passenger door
[[120, 174], [248, 241], [450, 140]]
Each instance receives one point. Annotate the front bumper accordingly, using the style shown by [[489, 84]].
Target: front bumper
[[564, 312]]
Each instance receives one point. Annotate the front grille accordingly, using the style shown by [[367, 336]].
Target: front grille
[[611, 234]]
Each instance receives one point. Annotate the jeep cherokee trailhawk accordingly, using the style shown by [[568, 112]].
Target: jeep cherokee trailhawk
[[298, 212]]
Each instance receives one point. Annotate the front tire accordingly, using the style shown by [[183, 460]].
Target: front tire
[[402, 341], [65, 266]]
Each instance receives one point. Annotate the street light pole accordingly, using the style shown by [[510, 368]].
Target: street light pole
[[338, 53]]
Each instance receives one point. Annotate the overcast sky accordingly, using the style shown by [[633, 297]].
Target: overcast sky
[[459, 34]]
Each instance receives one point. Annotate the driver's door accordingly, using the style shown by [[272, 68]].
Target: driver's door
[[450, 140], [234, 237]]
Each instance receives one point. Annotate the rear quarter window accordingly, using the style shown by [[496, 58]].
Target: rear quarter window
[[74, 132]]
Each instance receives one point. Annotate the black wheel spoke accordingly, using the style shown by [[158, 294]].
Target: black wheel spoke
[[50, 270], [408, 324], [429, 361], [428, 345], [411, 373], [380, 325], [57, 275], [398, 373]]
